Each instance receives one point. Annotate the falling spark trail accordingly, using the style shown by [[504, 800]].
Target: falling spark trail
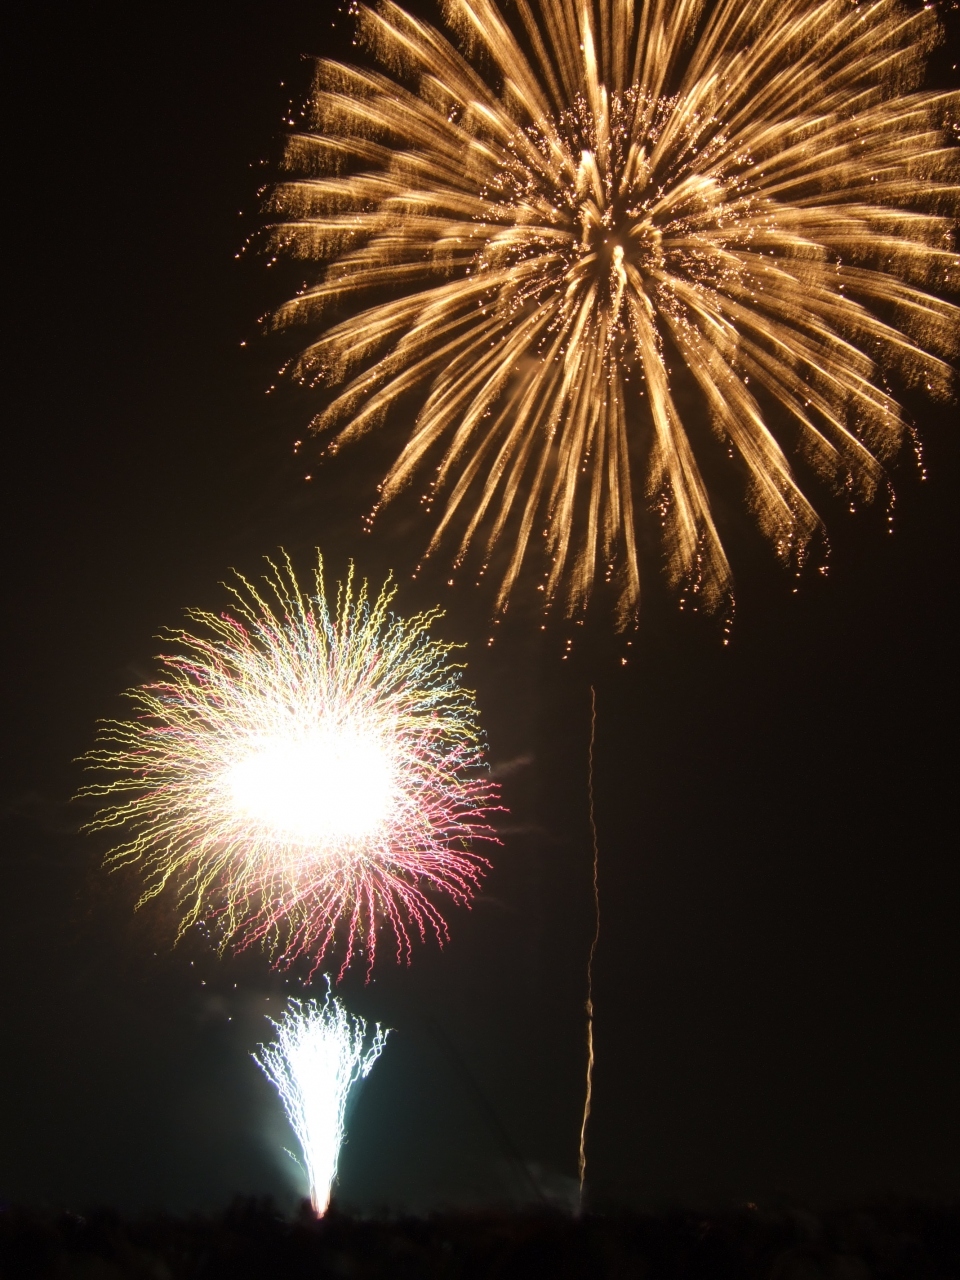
[[588, 1098], [314, 1063], [302, 774]]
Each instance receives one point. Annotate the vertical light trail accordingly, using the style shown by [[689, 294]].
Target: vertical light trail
[[588, 1098]]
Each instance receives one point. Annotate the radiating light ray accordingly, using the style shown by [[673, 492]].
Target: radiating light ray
[[302, 776], [314, 1063], [565, 224]]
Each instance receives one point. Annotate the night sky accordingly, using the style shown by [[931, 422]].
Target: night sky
[[779, 960]]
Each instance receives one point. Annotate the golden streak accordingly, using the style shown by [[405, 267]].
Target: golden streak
[[584, 218], [592, 955]]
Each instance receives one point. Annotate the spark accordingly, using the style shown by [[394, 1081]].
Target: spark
[[592, 228], [314, 1063], [303, 776]]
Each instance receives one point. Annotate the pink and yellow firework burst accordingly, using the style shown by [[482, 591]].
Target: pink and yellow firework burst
[[302, 775]]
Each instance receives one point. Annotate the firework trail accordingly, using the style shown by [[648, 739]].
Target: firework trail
[[302, 776], [316, 1059], [593, 227], [592, 955]]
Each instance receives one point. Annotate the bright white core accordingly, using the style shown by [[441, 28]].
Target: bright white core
[[329, 784]]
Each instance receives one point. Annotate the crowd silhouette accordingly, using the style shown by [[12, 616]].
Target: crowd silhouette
[[252, 1238]]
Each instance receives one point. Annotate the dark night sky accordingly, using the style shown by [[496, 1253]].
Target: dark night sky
[[777, 977]]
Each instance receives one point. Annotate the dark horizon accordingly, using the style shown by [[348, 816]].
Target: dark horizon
[[778, 963]]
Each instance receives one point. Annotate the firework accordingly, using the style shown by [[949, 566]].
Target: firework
[[302, 775], [316, 1059], [594, 227]]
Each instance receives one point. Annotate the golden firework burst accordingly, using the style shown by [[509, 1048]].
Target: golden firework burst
[[551, 226]]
